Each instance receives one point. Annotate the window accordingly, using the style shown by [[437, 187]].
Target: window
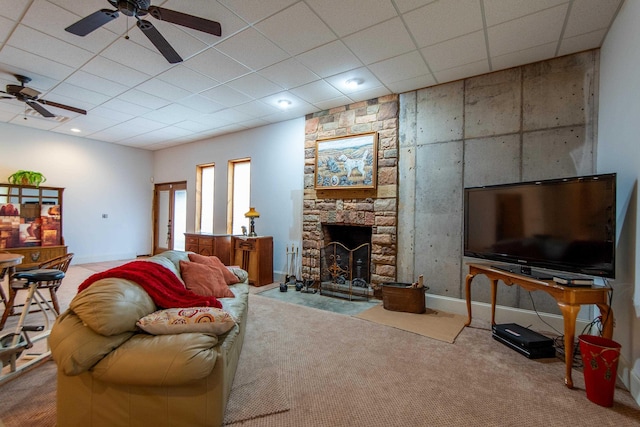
[[204, 196], [240, 194]]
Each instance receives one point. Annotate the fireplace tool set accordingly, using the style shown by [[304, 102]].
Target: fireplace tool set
[[293, 268]]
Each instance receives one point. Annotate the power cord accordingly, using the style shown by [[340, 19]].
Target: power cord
[[558, 341]]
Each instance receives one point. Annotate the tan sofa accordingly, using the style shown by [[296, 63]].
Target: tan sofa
[[122, 376]]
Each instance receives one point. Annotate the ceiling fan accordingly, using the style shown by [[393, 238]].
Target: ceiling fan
[[139, 8], [30, 97]]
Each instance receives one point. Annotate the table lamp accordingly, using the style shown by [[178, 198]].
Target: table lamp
[[252, 215]]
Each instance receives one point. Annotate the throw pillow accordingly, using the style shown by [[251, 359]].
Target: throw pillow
[[204, 280], [214, 261], [207, 320]]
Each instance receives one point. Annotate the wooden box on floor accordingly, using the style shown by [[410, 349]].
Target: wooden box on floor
[[403, 297]]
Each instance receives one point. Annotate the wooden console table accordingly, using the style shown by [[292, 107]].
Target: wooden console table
[[569, 300], [255, 256]]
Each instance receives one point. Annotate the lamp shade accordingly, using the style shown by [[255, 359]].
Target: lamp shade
[[252, 213]]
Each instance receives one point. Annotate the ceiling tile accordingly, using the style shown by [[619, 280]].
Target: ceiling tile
[[256, 109], [125, 107], [95, 83], [113, 71], [367, 44], [253, 11], [589, 15], [309, 30], [52, 20], [13, 9], [184, 44], [6, 27], [163, 90], [582, 42], [78, 93], [201, 104], [217, 65], [316, 92], [87, 124], [172, 113], [496, 12], [132, 55], [289, 73], [254, 85], [110, 113], [401, 67], [144, 99], [349, 16], [457, 73], [411, 84], [187, 79], [468, 48], [226, 96], [330, 59], [339, 81], [331, 103], [27, 63], [513, 59], [432, 23], [48, 47], [252, 49], [523, 33]]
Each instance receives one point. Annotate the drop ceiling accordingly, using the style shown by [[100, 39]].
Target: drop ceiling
[[270, 50]]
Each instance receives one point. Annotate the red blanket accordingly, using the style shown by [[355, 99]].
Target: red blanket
[[164, 288]]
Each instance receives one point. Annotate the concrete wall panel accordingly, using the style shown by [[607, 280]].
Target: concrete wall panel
[[493, 160], [439, 116]]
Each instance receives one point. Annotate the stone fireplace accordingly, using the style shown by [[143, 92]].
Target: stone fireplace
[[371, 209]]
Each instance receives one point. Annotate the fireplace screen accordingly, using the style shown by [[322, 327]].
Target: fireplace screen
[[345, 272]]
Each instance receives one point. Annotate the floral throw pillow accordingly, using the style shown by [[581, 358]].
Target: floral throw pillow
[[207, 320]]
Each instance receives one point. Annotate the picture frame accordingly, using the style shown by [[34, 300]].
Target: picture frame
[[347, 162]]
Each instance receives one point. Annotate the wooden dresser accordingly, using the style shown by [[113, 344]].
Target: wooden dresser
[[255, 255], [210, 245]]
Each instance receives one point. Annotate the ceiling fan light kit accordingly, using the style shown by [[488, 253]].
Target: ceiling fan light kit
[[138, 9]]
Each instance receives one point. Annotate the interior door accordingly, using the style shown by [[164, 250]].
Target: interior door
[[170, 219]]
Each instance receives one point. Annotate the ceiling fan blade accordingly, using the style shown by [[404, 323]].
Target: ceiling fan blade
[[189, 21], [92, 22], [40, 109], [64, 107], [159, 41]]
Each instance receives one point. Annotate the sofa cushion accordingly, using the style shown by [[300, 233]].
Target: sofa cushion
[[112, 306], [214, 261], [159, 360], [207, 320], [76, 348], [204, 280]]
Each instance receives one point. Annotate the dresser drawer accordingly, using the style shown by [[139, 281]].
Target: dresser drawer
[[245, 245]]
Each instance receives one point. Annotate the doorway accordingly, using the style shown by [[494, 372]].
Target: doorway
[[170, 216]]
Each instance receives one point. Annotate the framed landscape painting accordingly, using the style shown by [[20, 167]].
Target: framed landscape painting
[[347, 162]]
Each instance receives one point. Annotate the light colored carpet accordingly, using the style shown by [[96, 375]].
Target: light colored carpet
[[338, 370], [434, 324]]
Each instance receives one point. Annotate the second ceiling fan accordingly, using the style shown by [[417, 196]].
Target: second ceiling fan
[[138, 9]]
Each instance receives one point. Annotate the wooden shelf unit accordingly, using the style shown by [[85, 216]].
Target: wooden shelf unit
[[210, 245], [30, 200]]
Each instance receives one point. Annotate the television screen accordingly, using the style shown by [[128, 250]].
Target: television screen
[[561, 224]]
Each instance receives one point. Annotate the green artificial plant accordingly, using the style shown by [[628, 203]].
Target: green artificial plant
[[27, 178]]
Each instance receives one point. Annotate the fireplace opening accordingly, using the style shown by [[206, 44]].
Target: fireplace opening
[[345, 261]]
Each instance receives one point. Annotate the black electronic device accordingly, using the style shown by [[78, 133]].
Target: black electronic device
[[566, 225], [525, 341]]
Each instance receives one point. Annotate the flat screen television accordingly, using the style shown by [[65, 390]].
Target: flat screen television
[[566, 225]]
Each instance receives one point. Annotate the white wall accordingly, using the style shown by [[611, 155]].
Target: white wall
[[619, 151], [277, 171], [98, 178]]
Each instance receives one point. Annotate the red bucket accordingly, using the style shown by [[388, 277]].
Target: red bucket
[[600, 358]]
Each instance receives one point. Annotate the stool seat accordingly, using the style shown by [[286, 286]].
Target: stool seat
[[39, 275]]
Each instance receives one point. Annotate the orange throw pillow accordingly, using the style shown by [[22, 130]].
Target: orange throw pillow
[[204, 280], [214, 261]]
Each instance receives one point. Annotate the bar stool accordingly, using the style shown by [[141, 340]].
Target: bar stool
[[20, 281]]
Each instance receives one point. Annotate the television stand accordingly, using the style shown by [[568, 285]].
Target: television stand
[[569, 300], [525, 271]]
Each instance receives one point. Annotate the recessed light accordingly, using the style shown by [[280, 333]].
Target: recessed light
[[284, 103], [354, 83], [75, 130]]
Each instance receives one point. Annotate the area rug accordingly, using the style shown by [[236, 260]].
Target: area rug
[[434, 324], [321, 302]]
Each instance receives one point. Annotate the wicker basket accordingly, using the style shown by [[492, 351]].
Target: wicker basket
[[403, 297]]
